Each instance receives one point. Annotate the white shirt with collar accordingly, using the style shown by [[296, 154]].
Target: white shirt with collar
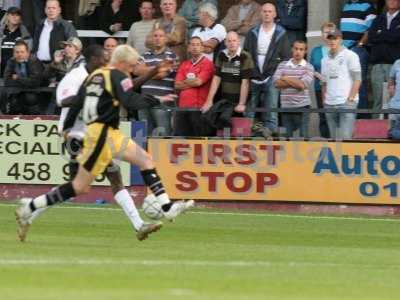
[[390, 18], [238, 52], [336, 71], [43, 53], [291, 63], [216, 32]]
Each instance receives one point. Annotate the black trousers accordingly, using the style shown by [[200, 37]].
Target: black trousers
[[21, 103], [189, 123]]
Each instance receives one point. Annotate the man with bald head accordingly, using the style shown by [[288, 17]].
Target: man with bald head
[[109, 45], [233, 67], [51, 32], [269, 45]]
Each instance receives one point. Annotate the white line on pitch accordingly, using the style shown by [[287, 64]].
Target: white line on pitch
[[365, 218], [190, 263]]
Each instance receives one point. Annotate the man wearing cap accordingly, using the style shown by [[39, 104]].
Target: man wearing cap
[[341, 71], [66, 59], [50, 32], [11, 31]]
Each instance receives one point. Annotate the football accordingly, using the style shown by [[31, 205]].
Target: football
[[152, 208]]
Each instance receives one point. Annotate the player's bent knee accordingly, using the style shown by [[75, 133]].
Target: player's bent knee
[[80, 188]]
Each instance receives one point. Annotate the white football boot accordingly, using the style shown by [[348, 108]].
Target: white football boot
[[177, 208], [146, 229], [23, 214]]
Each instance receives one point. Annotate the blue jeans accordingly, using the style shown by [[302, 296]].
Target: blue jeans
[[341, 124], [158, 121], [394, 132], [294, 121], [264, 96], [364, 57]]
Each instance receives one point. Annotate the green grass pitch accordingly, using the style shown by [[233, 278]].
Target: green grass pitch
[[77, 253]]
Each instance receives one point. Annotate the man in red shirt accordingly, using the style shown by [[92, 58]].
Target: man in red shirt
[[193, 80]]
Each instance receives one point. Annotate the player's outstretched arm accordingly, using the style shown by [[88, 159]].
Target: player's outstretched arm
[[124, 91]]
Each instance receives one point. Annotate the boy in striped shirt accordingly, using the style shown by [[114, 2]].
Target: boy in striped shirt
[[294, 78]]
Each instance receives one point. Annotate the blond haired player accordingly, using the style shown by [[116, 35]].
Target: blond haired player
[[99, 100]]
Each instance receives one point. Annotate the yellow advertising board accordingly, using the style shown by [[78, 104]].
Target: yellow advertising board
[[364, 173], [31, 152]]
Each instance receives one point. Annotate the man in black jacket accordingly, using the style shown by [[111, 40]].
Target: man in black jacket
[[292, 16], [268, 45], [384, 38], [51, 31], [22, 71]]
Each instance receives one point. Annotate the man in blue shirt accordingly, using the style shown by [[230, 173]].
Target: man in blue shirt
[[356, 19]]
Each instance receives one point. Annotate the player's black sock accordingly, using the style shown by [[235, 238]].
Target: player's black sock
[[166, 207], [60, 194], [57, 195], [32, 206], [153, 181]]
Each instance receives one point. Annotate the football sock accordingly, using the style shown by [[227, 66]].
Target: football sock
[[38, 202], [153, 181], [128, 205], [37, 213], [57, 195]]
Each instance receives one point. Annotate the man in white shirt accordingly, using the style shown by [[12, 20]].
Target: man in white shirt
[[139, 30], [50, 32], [341, 71], [211, 33]]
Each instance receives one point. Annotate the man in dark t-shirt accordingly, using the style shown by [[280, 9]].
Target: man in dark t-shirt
[[233, 72]]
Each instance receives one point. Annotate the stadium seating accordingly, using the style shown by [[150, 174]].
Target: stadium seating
[[240, 127], [371, 129]]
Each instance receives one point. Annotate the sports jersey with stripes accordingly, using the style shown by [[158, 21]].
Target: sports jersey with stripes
[[164, 86], [356, 19]]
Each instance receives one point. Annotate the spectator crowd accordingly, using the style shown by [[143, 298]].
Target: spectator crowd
[[213, 67]]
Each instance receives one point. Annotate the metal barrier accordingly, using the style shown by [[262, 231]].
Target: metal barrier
[[101, 34], [16, 90]]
